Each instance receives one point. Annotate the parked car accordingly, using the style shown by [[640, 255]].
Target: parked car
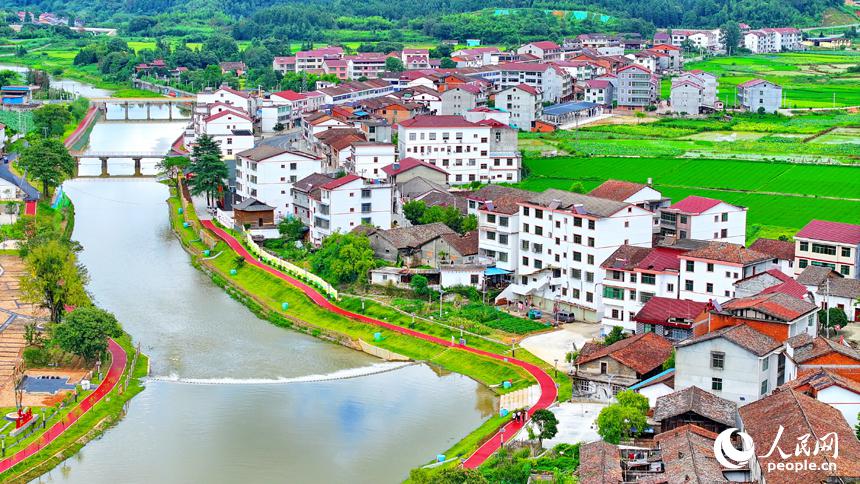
[[535, 314], [563, 317]]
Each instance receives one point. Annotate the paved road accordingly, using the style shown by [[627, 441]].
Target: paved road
[[549, 392], [31, 193], [117, 367]]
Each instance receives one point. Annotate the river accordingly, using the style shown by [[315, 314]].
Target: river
[[247, 416]]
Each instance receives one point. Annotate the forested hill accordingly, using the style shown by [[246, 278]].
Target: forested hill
[[437, 18]]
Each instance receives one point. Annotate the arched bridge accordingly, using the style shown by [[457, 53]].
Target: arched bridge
[[136, 156]]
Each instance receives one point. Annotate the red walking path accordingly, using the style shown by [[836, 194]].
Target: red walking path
[[549, 392], [117, 367]]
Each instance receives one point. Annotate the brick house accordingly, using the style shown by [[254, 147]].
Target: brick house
[[603, 371]]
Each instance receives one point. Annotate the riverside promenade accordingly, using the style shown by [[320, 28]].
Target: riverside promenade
[[548, 389], [117, 367]]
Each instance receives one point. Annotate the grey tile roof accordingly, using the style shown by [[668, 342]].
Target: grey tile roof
[[698, 401], [742, 335], [599, 207]]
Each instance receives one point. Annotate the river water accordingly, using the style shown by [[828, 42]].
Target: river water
[[249, 415]]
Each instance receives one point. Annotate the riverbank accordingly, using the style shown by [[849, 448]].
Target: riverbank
[[264, 291], [104, 414]]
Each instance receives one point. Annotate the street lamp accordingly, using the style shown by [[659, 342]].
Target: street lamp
[[556, 368]]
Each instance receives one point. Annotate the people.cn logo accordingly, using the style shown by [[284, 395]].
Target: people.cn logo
[[730, 457]]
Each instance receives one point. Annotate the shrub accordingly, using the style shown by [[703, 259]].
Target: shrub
[[35, 357]]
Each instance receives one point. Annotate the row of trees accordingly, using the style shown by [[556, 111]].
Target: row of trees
[[418, 213]]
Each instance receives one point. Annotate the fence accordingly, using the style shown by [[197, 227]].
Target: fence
[[290, 268]]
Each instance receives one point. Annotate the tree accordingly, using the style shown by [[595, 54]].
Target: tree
[[837, 318], [419, 284], [413, 210], [291, 229], [85, 332], [630, 398], [619, 421], [393, 64], [577, 187], [451, 475], [615, 335], [670, 361], [447, 63], [8, 77], [48, 161], [172, 165], [546, 423], [53, 279], [223, 47], [279, 127], [730, 36], [51, 119], [210, 171], [343, 258]]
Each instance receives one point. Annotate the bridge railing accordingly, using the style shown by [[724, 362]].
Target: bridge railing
[[120, 154]]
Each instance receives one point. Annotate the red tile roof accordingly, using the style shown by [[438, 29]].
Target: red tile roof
[[778, 249], [427, 121], [617, 190], [226, 113], [788, 285], [525, 87], [726, 252], [545, 45], [695, 204], [777, 305], [801, 417], [406, 164], [642, 352], [742, 335], [597, 84], [341, 181], [831, 232], [661, 259], [662, 310], [634, 66], [290, 95]]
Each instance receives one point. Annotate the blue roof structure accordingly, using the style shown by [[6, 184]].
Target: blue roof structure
[[566, 108], [495, 271], [649, 380]]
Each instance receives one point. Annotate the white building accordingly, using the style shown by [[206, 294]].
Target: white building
[[599, 91], [704, 218], [829, 244], [564, 237], [710, 271], [830, 387], [523, 102], [483, 151], [497, 209], [367, 159], [350, 201], [234, 132], [268, 172], [758, 94], [736, 363], [544, 50], [226, 95]]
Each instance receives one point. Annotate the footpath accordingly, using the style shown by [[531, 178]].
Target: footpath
[[117, 367], [548, 390]]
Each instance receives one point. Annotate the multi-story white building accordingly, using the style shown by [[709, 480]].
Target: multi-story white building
[[523, 102], [313, 59], [564, 237], [415, 58], [637, 87], [347, 202], [758, 94], [366, 64], [367, 159], [736, 363], [704, 218], [555, 83], [544, 50], [599, 91], [710, 271], [704, 99], [268, 172], [233, 131], [484, 151], [228, 96], [773, 40], [499, 224], [632, 276], [828, 244]]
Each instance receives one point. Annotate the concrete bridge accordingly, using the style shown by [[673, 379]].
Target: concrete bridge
[[104, 156], [126, 103]]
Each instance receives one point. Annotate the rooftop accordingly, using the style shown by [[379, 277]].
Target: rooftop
[[806, 349], [778, 249], [726, 252], [263, 152], [426, 121], [599, 462], [581, 204], [702, 403], [777, 305], [617, 190], [641, 352], [695, 205], [406, 164], [831, 232], [741, 335], [663, 310]]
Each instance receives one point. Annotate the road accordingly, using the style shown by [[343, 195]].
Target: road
[[30, 192], [549, 391]]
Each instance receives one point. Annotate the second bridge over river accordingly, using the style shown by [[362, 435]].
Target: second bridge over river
[[137, 158]]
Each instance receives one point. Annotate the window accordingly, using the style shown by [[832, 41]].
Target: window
[[804, 246], [503, 239], [524, 245], [577, 222], [491, 219], [525, 210], [764, 387], [633, 277], [645, 296], [710, 267], [577, 256], [846, 252], [525, 261], [589, 259], [717, 384], [724, 233], [589, 277], [670, 287], [491, 236], [802, 263], [538, 213], [683, 219], [589, 297], [613, 293], [292, 166], [824, 249], [688, 285], [718, 360], [724, 216], [591, 241], [591, 225], [538, 264], [690, 266], [649, 279], [365, 193], [764, 364], [503, 221], [576, 274], [709, 288], [844, 270], [577, 239], [538, 230], [604, 367]]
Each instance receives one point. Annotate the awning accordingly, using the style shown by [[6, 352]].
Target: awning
[[495, 271]]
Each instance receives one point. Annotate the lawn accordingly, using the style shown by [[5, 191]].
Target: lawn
[[809, 79]]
